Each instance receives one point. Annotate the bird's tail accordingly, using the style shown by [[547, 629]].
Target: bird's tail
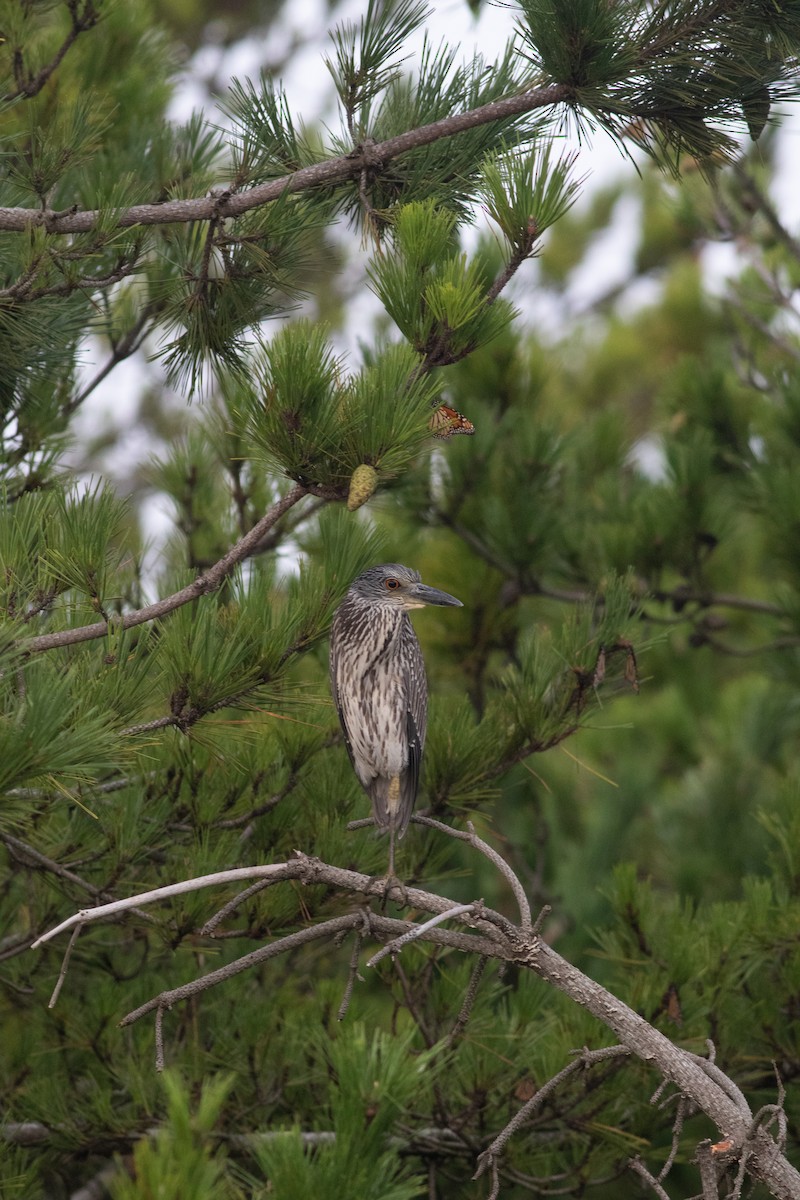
[[392, 803]]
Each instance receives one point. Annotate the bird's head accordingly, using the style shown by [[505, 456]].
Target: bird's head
[[395, 586]]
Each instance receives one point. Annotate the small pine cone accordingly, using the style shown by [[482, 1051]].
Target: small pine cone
[[363, 482]]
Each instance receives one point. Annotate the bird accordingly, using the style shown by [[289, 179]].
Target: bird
[[380, 689]]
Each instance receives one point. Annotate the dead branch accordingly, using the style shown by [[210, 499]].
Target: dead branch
[[394, 947], [698, 1080], [587, 1058], [468, 1001], [501, 864], [641, 1170]]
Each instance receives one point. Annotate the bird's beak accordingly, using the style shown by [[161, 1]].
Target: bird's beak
[[421, 594]]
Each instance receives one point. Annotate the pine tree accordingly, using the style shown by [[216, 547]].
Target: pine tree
[[613, 722]]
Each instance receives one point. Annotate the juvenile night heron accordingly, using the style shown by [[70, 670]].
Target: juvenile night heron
[[380, 690]]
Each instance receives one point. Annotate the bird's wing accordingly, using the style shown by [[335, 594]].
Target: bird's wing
[[416, 717], [337, 700]]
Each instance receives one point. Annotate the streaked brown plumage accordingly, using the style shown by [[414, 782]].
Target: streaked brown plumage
[[380, 690]]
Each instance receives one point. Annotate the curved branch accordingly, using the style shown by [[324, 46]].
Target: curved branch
[[713, 1093], [209, 581], [322, 174]]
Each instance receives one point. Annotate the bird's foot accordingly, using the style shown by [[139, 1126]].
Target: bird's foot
[[391, 888]]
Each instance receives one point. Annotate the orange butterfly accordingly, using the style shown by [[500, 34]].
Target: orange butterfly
[[446, 422]]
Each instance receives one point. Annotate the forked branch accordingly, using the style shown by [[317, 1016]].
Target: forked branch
[[744, 1138]]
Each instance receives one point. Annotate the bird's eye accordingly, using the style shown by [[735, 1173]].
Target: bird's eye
[[391, 584]]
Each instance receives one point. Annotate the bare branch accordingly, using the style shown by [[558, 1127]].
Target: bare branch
[[469, 1000], [352, 974], [587, 1058], [62, 974], [418, 931], [159, 1038], [211, 924], [701, 1082], [103, 911], [501, 864], [168, 998], [29, 855], [32, 857], [207, 582], [641, 1170], [726, 1083]]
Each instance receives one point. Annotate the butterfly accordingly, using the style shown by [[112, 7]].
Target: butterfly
[[446, 422]]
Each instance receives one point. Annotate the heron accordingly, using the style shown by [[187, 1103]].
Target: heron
[[380, 689]]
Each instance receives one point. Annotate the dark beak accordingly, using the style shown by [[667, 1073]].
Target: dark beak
[[428, 595]]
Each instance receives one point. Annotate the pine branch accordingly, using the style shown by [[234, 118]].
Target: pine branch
[[372, 156], [207, 582]]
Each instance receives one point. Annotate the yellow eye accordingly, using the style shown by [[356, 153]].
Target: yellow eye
[[391, 584]]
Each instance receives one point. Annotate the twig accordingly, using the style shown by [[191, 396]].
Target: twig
[[34, 83], [677, 1129], [62, 974], [207, 582], [363, 822], [352, 975], [291, 870], [469, 1000], [502, 866], [641, 1170], [211, 924], [19, 848], [396, 946], [166, 999], [419, 1020], [159, 1038], [725, 1082], [516, 259], [21, 851], [544, 913], [128, 344], [380, 926], [587, 1058], [495, 1188]]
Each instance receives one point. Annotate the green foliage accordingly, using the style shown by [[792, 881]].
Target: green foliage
[[435, 295], [525, 194], [441, 89], [363, 66], [178, 1161], [318, 426], [686, 73]]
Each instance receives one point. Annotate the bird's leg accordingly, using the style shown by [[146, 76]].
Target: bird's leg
[[392, 880]]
